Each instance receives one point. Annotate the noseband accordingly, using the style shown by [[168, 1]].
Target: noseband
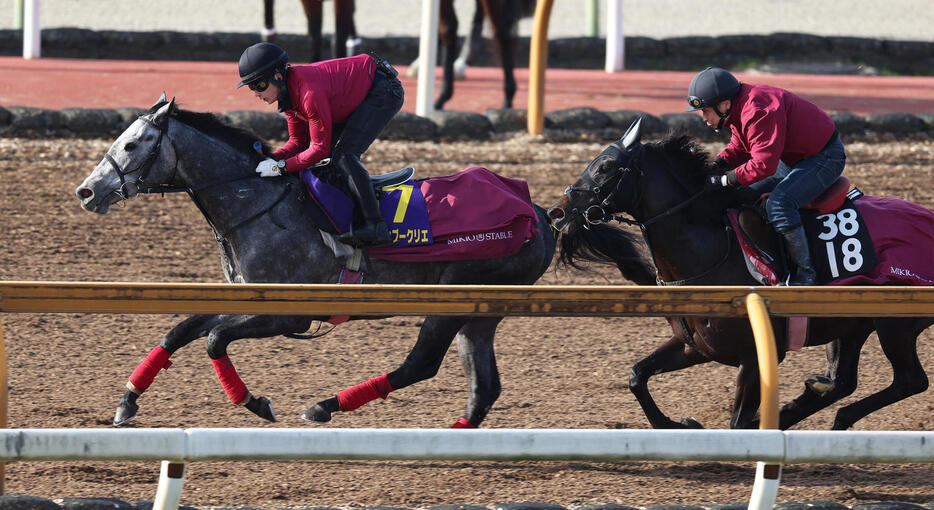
[[597, 213], [144, 166]]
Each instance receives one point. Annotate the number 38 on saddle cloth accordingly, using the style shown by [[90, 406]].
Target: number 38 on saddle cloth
[[473, 214], [854, 239]]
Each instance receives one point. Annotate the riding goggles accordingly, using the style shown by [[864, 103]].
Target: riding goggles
[[259, 86], [697, 103]]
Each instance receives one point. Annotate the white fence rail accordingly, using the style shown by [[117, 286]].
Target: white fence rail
[[238, 444], [175, 447]]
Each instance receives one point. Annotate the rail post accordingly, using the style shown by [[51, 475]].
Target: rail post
[[427, 56], [538, 60], [3, 404], [768, 476], [32, 31], [171, 481], [615, 39], [593, 18]]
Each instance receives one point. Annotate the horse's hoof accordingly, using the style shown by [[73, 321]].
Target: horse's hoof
[[819, 383], [127, 409], [125, 414], [317, 414], [691, 423], [261, 407]]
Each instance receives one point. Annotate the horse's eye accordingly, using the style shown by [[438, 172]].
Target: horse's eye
[[129, 147]]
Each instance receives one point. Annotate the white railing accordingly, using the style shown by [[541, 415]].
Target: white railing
[[176, 447]]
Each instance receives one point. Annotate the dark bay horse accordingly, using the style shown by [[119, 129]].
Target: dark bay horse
[[345, 31], [265, 236], [503, 16], [660, 185]]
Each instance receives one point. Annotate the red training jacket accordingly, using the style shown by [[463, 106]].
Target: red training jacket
[[322, 93], [771, 124]]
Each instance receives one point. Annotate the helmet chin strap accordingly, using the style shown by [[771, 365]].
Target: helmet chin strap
[[284, 101], [723, 116]]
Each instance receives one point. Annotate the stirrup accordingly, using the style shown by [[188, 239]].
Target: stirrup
[[371, 236]]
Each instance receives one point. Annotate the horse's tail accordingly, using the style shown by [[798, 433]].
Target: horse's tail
[[608, 245]]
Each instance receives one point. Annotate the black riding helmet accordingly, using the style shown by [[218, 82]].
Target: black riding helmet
[[261, 61], [709, 88]]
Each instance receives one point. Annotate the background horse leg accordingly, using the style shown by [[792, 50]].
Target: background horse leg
[[473, 45], [313, 14], [672, 356], [898, 338], [447, 27], [842, 367], [503, 16], [475, 347], [423, 362], [235, 327], [269, 31], [181, 335], [344, 31], [747, 397]]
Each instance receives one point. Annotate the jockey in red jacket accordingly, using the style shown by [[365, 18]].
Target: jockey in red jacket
[[780, 143], [334, 108]]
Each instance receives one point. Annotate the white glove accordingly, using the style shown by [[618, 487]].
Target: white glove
[[270, 167]]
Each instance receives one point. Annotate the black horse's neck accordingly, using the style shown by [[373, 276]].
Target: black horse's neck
[[689, 244]]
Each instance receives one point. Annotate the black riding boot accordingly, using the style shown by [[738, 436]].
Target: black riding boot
[[797, 244], [373, 232]]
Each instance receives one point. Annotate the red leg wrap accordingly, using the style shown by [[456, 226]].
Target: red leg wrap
[[356, 396], [463, 424], [144, 374], [230, 380]]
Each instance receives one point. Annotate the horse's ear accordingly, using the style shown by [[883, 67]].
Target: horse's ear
[[162, 99], [162, 114], [633, 134]]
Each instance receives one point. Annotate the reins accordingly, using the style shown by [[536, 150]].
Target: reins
[[143, 188], [635, 165]]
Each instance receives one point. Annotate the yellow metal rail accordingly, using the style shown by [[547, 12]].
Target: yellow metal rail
[[538, 61], [479, 300], [529, 300]]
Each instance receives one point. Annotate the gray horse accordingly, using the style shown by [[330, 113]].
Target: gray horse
[[265, 235]]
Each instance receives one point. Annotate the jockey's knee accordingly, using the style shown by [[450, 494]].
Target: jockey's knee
[[782, 211]]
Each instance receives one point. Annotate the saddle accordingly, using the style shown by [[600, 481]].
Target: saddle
[[470, 215], [761, 244], [394, 178], [764, 252], [333, 209]]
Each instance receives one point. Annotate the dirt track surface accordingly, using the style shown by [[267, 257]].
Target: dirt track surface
[[68, 370]]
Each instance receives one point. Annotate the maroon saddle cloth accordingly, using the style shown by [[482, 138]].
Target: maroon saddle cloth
[[474, 214]]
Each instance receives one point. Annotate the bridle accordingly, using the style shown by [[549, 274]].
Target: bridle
[[145, 166], [597, 213]]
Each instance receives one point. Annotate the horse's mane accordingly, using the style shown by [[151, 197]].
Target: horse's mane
[[216, 127], [689, 158], [605, 244], [683, 155]]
